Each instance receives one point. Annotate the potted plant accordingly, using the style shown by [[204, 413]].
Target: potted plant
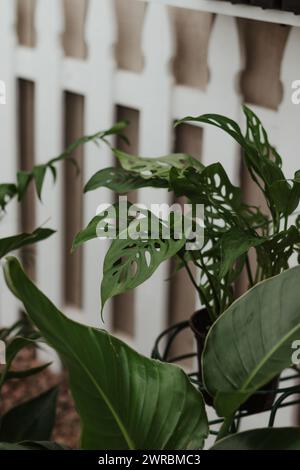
[[232, 227]]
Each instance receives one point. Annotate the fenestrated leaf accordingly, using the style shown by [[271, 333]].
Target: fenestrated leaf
[[17, 241], [262, 160], [130, 262], [122, 181], [160, 167], [125, 400], [91, 231], [274, 254], [32, 420], [262, 439], [252, 341]]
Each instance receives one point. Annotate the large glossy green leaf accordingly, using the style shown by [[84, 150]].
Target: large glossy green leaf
[[262, 439], [17, 241], [125, 400], [32, 420], [252, 341]]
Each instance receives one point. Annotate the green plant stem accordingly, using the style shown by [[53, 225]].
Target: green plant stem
[[225, 428], [211, 283], [202, 295]]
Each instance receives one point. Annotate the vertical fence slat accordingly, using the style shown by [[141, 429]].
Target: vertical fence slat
[[48, 143], [155, 140], [99, 115], [224, 60], [8, 135]]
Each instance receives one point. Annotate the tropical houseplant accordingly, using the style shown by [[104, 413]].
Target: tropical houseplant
[[127, 401]]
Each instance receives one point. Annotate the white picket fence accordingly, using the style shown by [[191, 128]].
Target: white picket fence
[[159, 100]]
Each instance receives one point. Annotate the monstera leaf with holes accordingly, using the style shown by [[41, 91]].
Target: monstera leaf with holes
[[252, 341], [137, 172], [261, 158], [125, 400], [136, 252]]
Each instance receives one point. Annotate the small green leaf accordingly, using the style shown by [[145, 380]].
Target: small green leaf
[[7, 192], [21, 374], [17, 241], [23, 180], [12, 349], [39, 173], [32, 420]]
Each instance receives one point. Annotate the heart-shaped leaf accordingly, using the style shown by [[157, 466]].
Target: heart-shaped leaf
[[125, 400], [252, 341]]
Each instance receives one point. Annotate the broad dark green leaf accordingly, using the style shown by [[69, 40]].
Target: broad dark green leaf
[[32, 420], [125, 400], [252, 341], [262, 439], [17, 241]]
